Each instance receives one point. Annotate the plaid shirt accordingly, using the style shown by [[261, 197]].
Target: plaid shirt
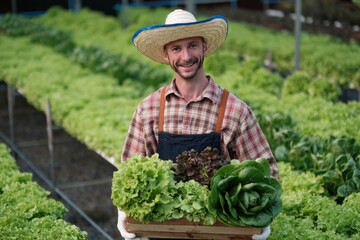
[[241, 135]]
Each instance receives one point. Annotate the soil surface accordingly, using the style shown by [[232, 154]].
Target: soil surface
[[80, 173]]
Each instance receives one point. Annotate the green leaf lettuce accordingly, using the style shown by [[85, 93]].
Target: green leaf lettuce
[[245, 194]]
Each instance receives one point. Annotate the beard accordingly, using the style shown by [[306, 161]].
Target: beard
[[200, 63]]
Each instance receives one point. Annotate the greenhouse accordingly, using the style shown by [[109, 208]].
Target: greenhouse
[[71, 83]]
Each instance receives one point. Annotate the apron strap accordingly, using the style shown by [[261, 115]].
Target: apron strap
[[161, 110], [223, 102]]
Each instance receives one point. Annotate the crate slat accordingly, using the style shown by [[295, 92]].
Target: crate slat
[[182, 228]]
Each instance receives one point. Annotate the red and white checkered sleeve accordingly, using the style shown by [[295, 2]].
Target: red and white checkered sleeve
[[251, 142], [134, 141]]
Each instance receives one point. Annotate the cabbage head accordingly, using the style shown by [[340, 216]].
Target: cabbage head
[[244, 194]]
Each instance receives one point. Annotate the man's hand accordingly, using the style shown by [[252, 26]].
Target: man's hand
[[121, 225], [265, 232]]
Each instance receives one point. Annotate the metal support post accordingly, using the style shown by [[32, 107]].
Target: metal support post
[[191, 6], [124, 13], [11, 94], [50, 141], [233, 3], [14, 6], [77, 6], [297, 34], [269, 63]]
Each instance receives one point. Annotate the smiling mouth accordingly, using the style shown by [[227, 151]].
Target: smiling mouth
[[188, 65]]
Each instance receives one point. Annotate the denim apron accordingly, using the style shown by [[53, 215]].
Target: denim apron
[[171, 145]]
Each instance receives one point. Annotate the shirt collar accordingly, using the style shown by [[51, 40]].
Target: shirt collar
[[212, 91]]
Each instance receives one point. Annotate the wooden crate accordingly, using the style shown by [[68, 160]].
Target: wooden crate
[[182, 228]]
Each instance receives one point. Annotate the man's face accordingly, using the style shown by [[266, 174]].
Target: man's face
[[186, 56]]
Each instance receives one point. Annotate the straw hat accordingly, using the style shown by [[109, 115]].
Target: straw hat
[[180, 24]]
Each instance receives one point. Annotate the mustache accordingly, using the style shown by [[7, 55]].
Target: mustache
[[188, 62]]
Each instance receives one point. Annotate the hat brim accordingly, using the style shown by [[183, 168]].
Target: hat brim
[[151, 40]]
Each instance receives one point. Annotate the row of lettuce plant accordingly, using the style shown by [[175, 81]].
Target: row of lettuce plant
[[25, 209], [98, 60], [335, 159], [299, 82], [321, 55], [91, 107], [308, 214], [80, 100]]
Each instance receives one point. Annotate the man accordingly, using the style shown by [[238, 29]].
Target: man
[[192, 112]]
